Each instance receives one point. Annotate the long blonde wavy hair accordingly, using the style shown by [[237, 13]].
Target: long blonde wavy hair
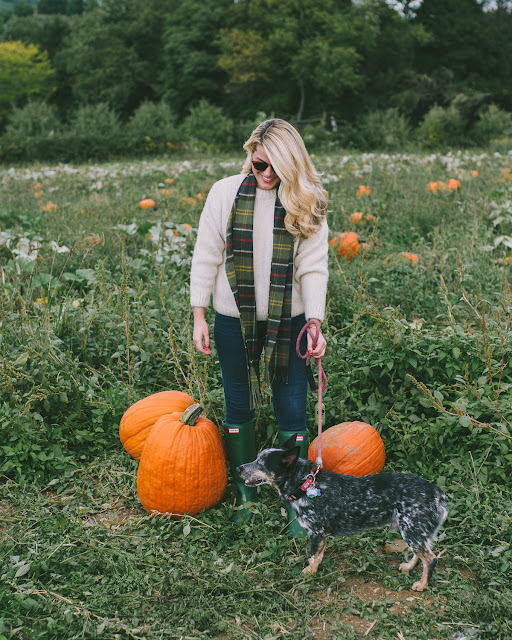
[[300, 190]]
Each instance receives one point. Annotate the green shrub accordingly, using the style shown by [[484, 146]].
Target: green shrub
[[208, 126], [443, 127], [245, 129], [34, 133], [385, 130], [493, 123], [31, 133], [36, 118], [316, 135], [153, 128], [96, 120], [94, 131]]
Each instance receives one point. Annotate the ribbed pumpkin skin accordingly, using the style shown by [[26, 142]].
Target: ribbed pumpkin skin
[[182, 468], [351, 448], [139, 419]]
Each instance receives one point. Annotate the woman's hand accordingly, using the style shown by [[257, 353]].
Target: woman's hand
[[321, 344], [201, 334]]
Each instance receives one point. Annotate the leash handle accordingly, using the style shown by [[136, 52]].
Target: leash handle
[[322, 379]]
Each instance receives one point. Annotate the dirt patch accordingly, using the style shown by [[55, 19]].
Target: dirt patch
[[7, 511], [396, 602], [113, 519], [373, 593], [111, 515]]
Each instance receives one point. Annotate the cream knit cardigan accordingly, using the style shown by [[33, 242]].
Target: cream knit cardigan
[[208, 272]]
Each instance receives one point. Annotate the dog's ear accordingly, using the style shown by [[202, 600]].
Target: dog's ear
[[290, 443], [290, 456]]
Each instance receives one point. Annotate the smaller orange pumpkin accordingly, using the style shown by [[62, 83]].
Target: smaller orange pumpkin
[[138, 420], [404, 256], [147, 203], [358, 217], [181, 228], [453, 184], [349, 244], [183, 466], [351, 448], [410, 256], [363, 190]]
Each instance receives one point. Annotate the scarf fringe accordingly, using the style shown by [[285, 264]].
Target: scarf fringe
[[254, 388]]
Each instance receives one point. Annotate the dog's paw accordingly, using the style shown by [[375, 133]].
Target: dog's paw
[[418, 586], [309, 570]]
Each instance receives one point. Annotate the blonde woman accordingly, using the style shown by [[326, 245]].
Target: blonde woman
[[262, 252]]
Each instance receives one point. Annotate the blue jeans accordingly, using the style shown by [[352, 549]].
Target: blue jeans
[[289, 400]]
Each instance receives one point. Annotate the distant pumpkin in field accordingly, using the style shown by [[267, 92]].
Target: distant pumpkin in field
[[147, 203], [363, 190], [358, 217], [404, 256], [348, 244], [181, 229]]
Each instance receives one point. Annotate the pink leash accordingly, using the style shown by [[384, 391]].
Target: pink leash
[[322, 380]]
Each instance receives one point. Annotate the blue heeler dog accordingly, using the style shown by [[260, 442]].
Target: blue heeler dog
[[332, 504]]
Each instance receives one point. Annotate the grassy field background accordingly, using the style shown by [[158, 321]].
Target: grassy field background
[[95, 315]]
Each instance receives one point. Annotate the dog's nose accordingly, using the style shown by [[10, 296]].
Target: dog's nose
[[238, 469]]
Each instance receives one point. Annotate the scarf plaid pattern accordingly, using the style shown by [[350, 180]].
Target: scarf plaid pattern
[[240, 273]]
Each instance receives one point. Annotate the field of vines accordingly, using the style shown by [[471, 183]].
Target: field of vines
[[94, 315]]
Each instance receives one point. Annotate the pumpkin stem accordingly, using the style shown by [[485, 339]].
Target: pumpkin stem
[[191, 414]]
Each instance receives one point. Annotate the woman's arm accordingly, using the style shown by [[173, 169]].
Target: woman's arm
[[208, 251]]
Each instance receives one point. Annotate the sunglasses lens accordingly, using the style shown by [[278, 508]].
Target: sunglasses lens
[[260, 166]]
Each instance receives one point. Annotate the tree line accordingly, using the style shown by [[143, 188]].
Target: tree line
[[331, 60]]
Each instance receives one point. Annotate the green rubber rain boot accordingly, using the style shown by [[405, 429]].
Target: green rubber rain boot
[[240, 444], [294, 528]]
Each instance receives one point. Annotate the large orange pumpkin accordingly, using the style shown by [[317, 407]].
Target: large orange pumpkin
[[349, 244], [183, 466], [351, 448], [139, 419]]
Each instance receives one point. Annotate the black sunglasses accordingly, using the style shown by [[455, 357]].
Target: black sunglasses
[[261, 166]]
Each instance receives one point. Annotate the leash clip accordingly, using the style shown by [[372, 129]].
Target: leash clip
[[309, 484]]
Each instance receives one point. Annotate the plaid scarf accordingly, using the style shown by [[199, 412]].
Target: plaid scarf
[[240, 273]]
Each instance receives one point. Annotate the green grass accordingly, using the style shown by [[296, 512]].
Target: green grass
[[96, 316]]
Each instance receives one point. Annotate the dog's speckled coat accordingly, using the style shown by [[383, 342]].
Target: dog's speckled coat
[[348, 505]]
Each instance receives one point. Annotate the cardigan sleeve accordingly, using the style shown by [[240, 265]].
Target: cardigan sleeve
[[312, 270], [209, 250]]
